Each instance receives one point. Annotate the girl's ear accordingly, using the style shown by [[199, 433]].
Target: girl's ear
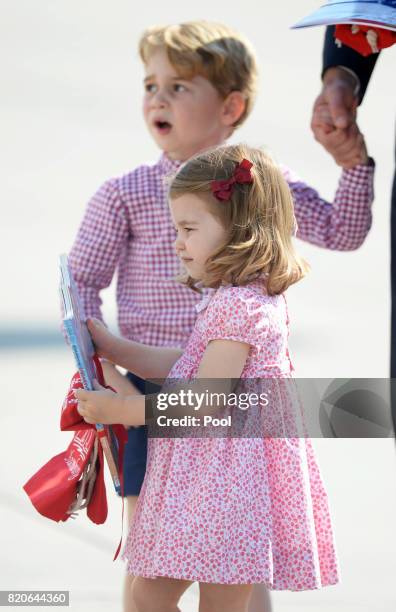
[[233, 108]]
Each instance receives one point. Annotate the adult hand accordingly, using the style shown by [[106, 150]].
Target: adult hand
[[338, 99], [334, 119]]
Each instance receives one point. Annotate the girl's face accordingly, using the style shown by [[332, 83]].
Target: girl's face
[[199, 233], [183, 116]]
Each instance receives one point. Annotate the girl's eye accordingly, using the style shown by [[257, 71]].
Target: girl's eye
[[149, 87], [186, 229]]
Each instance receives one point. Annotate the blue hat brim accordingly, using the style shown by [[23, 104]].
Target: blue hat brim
[[362, 13]]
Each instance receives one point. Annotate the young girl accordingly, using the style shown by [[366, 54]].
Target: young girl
[[225, 512]]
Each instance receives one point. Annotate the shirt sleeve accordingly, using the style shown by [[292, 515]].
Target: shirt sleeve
[[345, 56], [340, 225], [100, 240], [237, 315]]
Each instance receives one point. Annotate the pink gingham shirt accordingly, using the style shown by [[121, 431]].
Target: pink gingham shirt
[[127, 227]]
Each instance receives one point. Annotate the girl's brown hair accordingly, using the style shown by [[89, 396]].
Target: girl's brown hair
[[259, 218], [211, 50]]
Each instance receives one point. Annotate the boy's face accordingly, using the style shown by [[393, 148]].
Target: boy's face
[[199, 232], [183, 116]]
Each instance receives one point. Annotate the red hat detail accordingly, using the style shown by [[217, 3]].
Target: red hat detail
[[364, 39]]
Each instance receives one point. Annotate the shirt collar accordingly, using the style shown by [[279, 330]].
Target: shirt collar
[[209, 293], [204, 302], [168, 165]]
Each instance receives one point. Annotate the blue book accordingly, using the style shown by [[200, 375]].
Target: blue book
[[79, 338]]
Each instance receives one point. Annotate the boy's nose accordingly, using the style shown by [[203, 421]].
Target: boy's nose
[[159, 100]]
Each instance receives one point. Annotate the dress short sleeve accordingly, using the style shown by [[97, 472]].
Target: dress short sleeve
[[237, 313]]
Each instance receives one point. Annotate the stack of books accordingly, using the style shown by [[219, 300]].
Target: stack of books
[[78, 336]]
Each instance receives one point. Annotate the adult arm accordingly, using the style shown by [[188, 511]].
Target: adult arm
[[345, 76], [334, 56]]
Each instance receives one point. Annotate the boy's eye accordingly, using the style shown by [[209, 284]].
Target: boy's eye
[[150, 87], [188, 229], [179, 87]]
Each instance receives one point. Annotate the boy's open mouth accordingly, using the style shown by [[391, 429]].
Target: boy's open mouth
[[164, 127]]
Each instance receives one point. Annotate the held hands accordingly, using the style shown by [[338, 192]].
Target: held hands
[[100, 406], [334, 119]]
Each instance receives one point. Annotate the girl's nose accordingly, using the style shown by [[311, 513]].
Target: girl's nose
[[178, 244]]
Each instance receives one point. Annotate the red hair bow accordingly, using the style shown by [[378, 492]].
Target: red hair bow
[[222, 190]]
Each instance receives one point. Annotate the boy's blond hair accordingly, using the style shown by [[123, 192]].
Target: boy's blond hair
[[259, 217], [211, 50]]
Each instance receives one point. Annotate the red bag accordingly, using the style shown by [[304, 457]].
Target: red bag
[[74, 479], [54, 488]]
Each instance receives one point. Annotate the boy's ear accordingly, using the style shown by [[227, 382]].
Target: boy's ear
[[233, 108]]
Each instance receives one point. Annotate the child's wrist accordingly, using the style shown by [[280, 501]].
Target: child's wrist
[[131, 410], [121, 410], [109, 350], [366, 161], [106, 362]]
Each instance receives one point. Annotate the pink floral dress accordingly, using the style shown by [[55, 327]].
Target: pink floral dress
[[235, 510]]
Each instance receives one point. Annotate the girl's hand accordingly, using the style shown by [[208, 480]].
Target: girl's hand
[[105, 342], [100, 406], [117, 381]]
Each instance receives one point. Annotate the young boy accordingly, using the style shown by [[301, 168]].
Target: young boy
[[200, 85]]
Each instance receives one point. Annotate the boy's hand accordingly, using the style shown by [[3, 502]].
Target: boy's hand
[[100, 406], [347, 147]]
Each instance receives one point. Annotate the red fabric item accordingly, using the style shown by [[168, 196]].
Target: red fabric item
[[53, 488], [97, 507], [70, 417], [358, 41], [222, 190]]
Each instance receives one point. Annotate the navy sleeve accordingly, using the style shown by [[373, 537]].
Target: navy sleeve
[[345, 56]]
